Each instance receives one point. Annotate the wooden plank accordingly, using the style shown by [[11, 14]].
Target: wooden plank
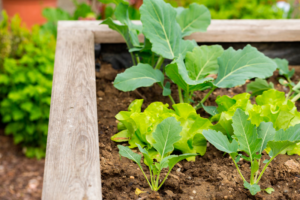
[[218, 31], [72, 169]]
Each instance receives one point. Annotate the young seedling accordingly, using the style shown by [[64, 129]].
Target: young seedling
[[165, 135], [192, 67], [253, 140]]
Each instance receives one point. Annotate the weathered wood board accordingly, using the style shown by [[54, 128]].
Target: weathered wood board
[[218, 31], [72, 169]]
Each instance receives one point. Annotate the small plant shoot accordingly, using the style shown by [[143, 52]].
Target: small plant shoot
[[192, 67], [165, 136], [253, 140]]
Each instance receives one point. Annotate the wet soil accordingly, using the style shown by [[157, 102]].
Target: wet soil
[[212, 176]]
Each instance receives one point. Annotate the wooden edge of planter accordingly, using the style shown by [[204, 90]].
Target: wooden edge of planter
[[218, 31], [72, 168]]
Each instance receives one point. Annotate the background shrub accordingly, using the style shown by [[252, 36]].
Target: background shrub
[[26, 69]]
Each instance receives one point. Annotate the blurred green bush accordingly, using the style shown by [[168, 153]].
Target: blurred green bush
[[26, 69], [233, 9]]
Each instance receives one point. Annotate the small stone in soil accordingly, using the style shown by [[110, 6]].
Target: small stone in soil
[[131, 177], [194, 191], [178, 170]]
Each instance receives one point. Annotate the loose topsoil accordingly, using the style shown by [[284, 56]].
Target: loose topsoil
[[212, 176]]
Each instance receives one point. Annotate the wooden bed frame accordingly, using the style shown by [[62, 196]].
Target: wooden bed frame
[[72, 168]]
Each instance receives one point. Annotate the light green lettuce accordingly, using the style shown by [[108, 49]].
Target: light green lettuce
[[138, 127], [271, 106]]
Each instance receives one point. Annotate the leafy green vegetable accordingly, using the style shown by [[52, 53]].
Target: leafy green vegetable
[[283, 66], [196, 18], [166, 135], [271, 106], [238, 66], [253, 140], [258, 86], [26, 69], [142, 75], [141, 127]]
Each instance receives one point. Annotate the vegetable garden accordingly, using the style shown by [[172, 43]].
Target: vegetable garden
[[184, 121]]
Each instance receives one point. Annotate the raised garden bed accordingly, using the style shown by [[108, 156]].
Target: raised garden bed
[[72, 161]]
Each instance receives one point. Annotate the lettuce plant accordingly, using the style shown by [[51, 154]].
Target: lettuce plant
[[252, 140], [165, 136], [192, 66], [271, 106], [261, 85], [138, 127]]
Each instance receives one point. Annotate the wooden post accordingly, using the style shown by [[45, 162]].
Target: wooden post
[[72, 169]]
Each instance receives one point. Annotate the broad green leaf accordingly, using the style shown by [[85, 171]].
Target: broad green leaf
[[212, 110], [142, 75], [122, 15], [269, 190], [266, 132], [195, 18], [245, 133], [122, 136], [178, 73], [258, 86], [252, 188], [167, 89], [147, 157], [220, 141], [278, 147], [161, 28], [172, 161], [187, 46], [128, 153], [122, 29], [283, 67], [291, 134], [164, 163], [166, 134], [203, 61], [235, 67]]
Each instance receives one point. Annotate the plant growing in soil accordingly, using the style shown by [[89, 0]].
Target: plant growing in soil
[[138, 128], [260, 85], [271, 106], [193, 68], [165, 136], [252, 141]]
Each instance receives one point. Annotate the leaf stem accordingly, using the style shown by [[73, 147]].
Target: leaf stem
[[180, 95], [132, 57], [186, 95], [264, 169], [171, 98], [145, 176], [237, 167], [137, 58], [199, 105], [159, 62], [164, 179], [295, 98], [157, 181]]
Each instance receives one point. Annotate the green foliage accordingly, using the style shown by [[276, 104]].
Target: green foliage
[[25, 87], [167, 133], [271, 106], [242, 9], [258, 86], [252, 140], [141, 127]]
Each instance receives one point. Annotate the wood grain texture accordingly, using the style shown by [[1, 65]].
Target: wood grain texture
[[218, 31], [72, 169]]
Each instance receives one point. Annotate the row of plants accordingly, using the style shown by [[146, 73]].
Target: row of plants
[[236, 126], [26, 69]]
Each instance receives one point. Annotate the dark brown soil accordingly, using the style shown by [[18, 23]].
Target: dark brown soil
[[21, 178], [212, 176]]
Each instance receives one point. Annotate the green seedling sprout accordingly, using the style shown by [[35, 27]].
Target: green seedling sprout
[[165, 135], [253, 140]]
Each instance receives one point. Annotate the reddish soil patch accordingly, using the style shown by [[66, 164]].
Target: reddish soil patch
[[212, 176], [20, 177]]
